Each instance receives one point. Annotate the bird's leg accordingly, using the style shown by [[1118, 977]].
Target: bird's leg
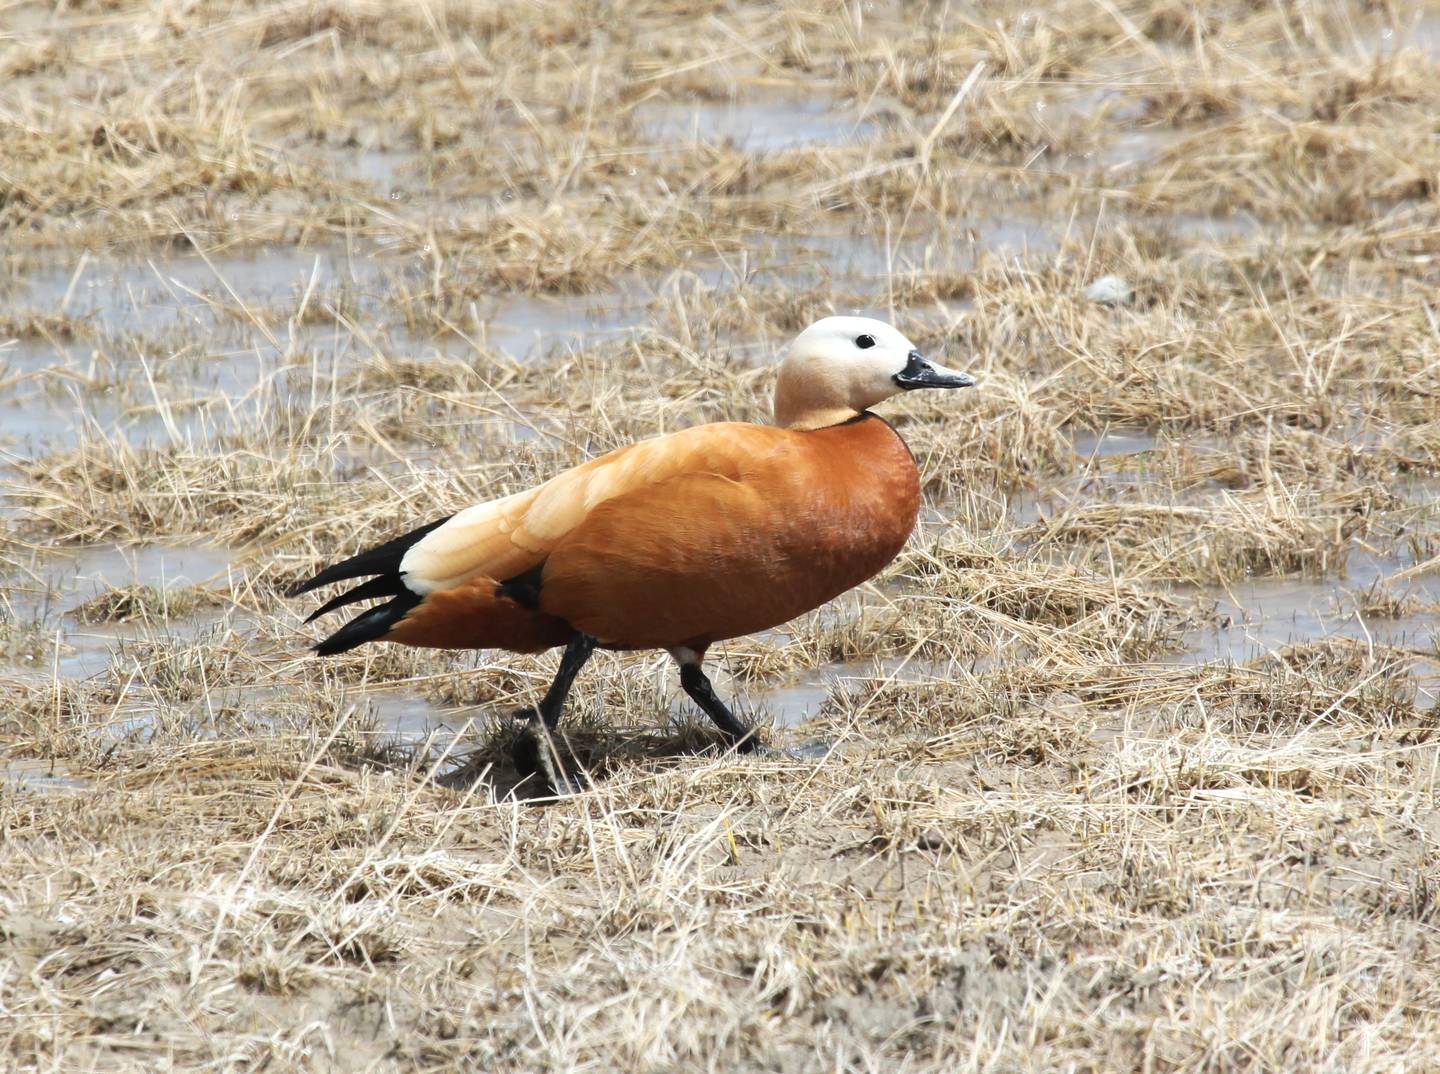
[[695, 683], [577, 654], [534, 752], [743, 738]]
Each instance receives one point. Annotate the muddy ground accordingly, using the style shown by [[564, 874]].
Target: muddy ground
[[1134, 757]]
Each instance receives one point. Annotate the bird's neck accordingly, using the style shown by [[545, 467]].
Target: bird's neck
[[815, 417], [809, 402]]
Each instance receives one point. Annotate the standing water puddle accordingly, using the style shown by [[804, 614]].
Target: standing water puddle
[[1267, 614], [194, 347], [755, 126], [223, 328], [46, 596], [30, 773]]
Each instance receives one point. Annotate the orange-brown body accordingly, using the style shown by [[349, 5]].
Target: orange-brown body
[[671, 543], [688, 539]]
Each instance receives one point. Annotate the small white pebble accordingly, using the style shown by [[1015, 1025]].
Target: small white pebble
[[1110, 291]]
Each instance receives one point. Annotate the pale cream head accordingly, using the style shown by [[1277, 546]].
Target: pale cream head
[[841, 366]]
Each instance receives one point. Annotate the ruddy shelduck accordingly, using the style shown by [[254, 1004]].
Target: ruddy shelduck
[[672, 543]]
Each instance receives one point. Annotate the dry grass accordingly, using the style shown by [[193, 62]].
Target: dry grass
[[1134, 759]]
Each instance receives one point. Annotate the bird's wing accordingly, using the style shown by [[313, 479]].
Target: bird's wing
[[704, 555], [662, 564], [507, 537]]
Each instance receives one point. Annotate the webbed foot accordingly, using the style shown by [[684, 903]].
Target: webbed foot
[[535, 758], [817, 749], [814, 750]]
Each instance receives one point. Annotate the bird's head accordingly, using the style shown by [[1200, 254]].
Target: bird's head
[[841, 366]]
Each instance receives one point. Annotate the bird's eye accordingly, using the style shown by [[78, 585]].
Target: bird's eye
[[864, 342]]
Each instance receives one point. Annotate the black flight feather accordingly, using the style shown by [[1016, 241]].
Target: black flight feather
[[367, 626], [382, 559], [387, 585]]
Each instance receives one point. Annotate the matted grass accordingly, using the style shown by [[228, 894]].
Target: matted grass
[[1134, 757]]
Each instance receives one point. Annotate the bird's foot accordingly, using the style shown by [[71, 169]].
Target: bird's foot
[[817, 749], [814, 750], [535, 757]]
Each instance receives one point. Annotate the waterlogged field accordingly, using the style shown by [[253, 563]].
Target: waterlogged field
[[1135, 757]]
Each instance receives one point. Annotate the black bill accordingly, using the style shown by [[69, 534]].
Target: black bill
[[920, 372]]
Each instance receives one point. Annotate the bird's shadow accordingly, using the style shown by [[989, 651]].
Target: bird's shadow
[[589, 755]]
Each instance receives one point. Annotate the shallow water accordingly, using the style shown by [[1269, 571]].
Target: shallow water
[[1422, 34], [161, 292], [85, 572], [1132, 148], [203, 345], [47, 592], [755, 126], [531, 324], [27, 773], [1265, 615], [1114, 442], [214, 336], [410, 718]]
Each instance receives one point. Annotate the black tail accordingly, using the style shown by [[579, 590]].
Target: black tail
[[368, 626], [382, 561], [387, 585]]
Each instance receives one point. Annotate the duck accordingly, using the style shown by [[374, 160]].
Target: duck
[[676, 542]]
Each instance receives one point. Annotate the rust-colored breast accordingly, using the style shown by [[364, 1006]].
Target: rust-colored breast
[[703, 557]]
